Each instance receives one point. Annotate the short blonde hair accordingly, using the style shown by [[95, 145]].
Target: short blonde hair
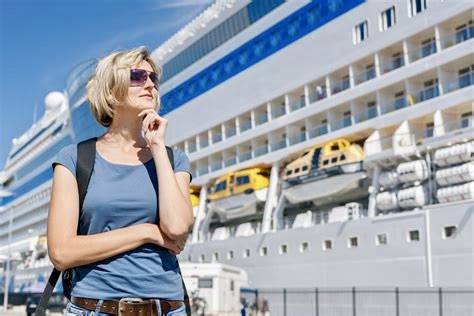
[[108, 86]]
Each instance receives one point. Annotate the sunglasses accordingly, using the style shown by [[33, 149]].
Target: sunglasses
[[138, 77]]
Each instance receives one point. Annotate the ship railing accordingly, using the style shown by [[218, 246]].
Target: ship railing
[[278, 144], [298, 138], [464, 80], [261, 118], [245, 126], [277, 112], [340, 86], [216, 138], [216, 166], [245, 156], [458, 37], [230, 131], [297, 104], [260, 150], [423, 51], [395, 63], [365, 75], [318, 130], [230, 161], [341, 123], [317, 94]]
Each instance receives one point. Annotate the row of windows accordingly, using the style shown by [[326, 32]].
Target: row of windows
[[387, 19], [219, 35], [327, 245]]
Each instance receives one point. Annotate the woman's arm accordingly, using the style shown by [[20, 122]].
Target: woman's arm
[[176, 212], [66, 249]]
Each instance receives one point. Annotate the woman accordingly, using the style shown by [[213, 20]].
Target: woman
[[137, 211]]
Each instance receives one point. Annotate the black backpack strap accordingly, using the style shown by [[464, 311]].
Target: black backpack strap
[[84, 166]]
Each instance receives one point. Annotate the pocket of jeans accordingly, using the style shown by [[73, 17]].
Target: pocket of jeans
[[180, 311], [74, 310]]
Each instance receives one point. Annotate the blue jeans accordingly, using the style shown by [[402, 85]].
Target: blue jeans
[[74, 310]]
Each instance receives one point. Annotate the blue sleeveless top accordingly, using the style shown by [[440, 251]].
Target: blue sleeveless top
[[121, 195]]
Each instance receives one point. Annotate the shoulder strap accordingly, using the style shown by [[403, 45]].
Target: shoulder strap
[[84, 166]]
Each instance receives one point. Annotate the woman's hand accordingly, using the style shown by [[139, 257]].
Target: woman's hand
[[155, 236], [153, 127]]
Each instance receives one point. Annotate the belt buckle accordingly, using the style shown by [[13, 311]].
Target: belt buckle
[[126, 302]]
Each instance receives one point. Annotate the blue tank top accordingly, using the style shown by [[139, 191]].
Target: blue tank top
[[148, 271]]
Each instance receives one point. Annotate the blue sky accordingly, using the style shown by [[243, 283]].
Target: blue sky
[[42, 40]]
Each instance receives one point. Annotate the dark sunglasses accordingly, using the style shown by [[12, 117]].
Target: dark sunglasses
[[138, 77]]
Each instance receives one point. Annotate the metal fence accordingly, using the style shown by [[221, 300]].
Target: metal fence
[[360, 302]]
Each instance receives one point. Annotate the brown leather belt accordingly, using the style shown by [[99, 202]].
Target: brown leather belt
[[146, 307]]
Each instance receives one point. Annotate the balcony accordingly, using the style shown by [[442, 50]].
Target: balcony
[[230, 131], [366, 75], [203, 170], [216, 138], [230, 161], [317, 94], [396, 63], [261, 150], [191, 147], [261, 118], [278, 145], [298, 138], [429, 93], [297, 104], [216, 166], [464, 80], [318, 131], [245, 156], [245, 126], [340, 86], [278, 112]]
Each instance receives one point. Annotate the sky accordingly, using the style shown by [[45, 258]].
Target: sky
[[42, 40]]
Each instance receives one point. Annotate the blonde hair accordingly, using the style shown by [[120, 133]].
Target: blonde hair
[[108, 87]]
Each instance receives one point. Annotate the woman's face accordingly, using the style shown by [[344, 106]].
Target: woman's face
[[144, 96]]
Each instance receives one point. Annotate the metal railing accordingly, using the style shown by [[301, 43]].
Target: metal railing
[[359, 301]]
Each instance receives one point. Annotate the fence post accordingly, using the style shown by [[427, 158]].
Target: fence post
[[284, 302], [316, 301], [353, 301], [397, 302], [256, 299], [440, 300]]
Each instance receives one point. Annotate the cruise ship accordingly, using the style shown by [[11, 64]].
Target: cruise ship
[[331, 144]]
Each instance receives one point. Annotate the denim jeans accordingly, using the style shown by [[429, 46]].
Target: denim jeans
[[74, 310]]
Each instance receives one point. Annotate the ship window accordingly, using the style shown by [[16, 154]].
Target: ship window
[[304, 168], [333, 159], [189, 258], [202, 258], [343, 157], [449, 232], [325, 162], [335, 146], [215, 256], [243, 180], [361, 32], [416, 7], [263, 251], [246, 253], [304, 246], [221, 186], [381, 239], [205, 283], [297, 170], [230, 255], [327, 245], [232, 286], [413, 235], [283, 249], [353, 242], [289, 172], [387, 19]]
